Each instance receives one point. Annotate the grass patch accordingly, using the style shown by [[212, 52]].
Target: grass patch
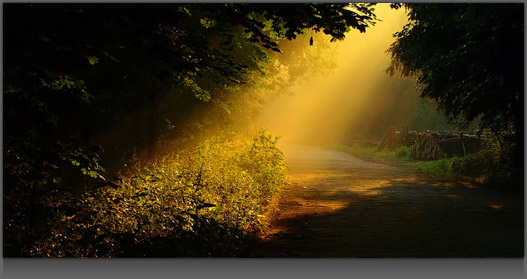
[[399, 155], [486, 167], [441, 168]]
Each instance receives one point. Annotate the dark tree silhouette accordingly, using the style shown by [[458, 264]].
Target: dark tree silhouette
[[470, 59], [71, 71], [86, 85]]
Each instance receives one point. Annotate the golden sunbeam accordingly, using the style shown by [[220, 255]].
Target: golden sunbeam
[[356, 99]]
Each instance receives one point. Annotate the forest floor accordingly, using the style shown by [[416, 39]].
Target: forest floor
[[340, 206]]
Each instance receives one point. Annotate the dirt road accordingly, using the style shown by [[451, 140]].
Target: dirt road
[[340, 206]]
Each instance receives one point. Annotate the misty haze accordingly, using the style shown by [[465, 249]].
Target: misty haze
[[263, 130]]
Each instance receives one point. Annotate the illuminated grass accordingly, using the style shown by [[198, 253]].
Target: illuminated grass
[[443, 168], [485, 167]]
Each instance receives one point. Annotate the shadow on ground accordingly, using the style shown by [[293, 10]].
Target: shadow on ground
[[389, 212]]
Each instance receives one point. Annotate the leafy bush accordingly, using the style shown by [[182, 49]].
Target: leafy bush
[[206, 201]]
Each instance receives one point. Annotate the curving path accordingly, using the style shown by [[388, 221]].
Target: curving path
[[340, 206]]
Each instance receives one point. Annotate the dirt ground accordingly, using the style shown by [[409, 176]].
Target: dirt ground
[[340, 206]]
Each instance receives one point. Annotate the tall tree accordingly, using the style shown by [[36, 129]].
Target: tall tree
[[470, 59]]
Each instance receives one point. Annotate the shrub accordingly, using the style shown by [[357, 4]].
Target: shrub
[[206, 201]]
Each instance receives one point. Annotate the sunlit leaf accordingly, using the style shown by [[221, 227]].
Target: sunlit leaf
[[92, 60]]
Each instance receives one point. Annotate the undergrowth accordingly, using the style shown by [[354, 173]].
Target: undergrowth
[[487, 167], [206, 201]]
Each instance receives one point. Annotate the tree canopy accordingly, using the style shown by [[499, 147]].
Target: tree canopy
[[469, 58], [83, 78]]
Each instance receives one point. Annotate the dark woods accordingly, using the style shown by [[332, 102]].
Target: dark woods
[[81, 81], [89, 86], [470, 59]]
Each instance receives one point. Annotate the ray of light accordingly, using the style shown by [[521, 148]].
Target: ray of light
[[357, 99]]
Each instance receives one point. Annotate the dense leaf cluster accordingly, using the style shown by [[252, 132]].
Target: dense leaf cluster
[[107, 79], [470, 59]]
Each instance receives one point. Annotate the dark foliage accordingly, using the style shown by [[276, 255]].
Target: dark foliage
[[71, 71], [470, 59], [88, 85]]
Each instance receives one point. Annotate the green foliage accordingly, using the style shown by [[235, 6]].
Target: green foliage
[[401, 154], [205, 201], [110, 75], [441, 167], [87, 85], [469, 58], [486, 167], [490, 166], [266, 161], [426, 117], [299, 62]]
